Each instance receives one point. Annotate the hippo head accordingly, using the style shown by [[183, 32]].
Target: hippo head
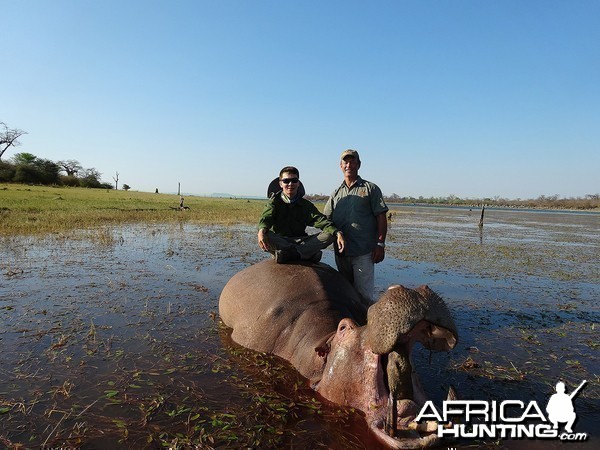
[[369, 367]]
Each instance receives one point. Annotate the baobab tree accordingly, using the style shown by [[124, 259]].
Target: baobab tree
[[71, 167], [9, 137]]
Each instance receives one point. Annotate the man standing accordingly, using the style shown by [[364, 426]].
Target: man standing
[[358, 210], [282, 226]]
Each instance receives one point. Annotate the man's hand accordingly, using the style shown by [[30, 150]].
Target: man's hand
[[341, 243], [263, 240], [378, 254]]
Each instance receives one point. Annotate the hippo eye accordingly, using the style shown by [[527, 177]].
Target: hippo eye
[[342, 327]]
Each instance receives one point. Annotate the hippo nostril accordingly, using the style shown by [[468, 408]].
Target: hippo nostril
[[345, 325]]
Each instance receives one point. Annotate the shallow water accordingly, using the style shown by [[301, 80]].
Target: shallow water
[[111, 338]]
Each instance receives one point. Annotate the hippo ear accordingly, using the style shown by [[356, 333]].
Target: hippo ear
[[324, 347], [441, 334]]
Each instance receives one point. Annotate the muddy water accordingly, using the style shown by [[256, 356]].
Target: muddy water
[[111, 338]]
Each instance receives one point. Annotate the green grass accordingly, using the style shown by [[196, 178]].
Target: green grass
[[41, 209]]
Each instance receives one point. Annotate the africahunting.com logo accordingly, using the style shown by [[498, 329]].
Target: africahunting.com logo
[[508, 419]]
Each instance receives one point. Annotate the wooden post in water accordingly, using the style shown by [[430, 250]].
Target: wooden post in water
[[481, 218]]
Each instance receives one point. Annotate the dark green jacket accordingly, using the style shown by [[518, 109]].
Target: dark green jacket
[[292, 219]]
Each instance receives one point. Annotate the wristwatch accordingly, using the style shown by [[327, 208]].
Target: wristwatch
[[381, 244]]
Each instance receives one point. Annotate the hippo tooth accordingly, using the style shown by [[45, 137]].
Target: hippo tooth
[[452, 395], [391, 422], [429, 426]]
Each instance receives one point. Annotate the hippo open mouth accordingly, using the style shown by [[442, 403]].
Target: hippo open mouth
[[393, 410], [427, 321]]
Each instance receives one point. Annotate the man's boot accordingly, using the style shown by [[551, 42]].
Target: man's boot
[[287, 255]]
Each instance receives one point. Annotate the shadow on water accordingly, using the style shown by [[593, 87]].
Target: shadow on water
[[111, 338]]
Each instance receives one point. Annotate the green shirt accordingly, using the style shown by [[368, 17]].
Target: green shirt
[[291, 219], [353, 210]]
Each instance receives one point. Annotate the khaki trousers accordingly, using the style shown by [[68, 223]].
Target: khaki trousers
[[360, 272]]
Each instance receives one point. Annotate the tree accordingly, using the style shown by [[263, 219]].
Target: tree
[[47, 171], [7, 171], [70, 166], [116, 178], [31, 169], [126, 187], [23, 159], [9, 137], [91, 178]]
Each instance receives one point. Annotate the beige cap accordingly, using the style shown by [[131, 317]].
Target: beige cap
[[350, 152]]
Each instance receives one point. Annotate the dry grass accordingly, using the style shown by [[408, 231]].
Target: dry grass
[[40, 209]]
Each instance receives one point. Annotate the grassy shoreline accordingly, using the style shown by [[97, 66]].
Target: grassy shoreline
[[41, 209], [33, 210]]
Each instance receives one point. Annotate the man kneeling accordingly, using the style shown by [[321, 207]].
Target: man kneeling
[[282, 226]]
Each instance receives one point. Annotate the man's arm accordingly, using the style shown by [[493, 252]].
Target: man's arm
[[264, 224], [263, 240], [381, 227], [328, 208], [379, 253], [341, 242], [321, 221]]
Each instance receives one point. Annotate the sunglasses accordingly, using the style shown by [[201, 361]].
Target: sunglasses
[[289, 180]]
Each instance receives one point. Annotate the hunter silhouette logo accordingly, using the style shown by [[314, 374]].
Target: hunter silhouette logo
[[560, 407], [506, 419]]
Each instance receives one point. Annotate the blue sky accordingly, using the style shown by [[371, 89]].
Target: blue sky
[[467, 98]]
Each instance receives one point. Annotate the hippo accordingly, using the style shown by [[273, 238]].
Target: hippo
[[310, 315]]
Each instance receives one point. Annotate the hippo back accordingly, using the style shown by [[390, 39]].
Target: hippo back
[[288, 310]]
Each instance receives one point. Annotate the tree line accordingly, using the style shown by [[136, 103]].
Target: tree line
[[29, 169], [588, 202]]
